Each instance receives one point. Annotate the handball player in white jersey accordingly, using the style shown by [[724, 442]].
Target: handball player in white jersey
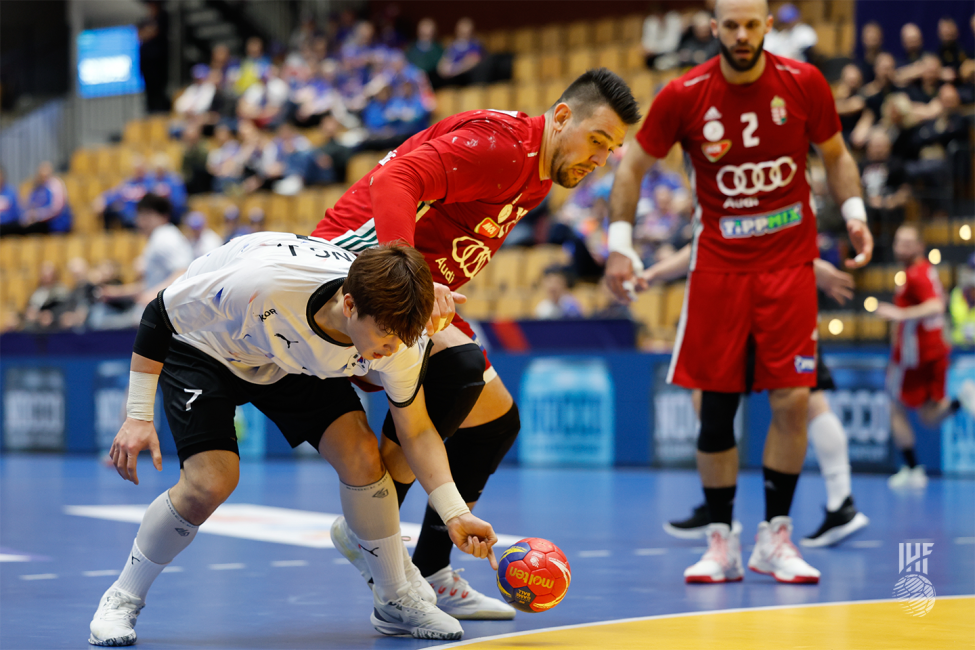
[[283, 321], [745, 120]]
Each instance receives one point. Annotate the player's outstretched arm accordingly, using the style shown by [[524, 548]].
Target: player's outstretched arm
[[138, 432], [843, 179], [427, 458], [623, 262], [675, 266]]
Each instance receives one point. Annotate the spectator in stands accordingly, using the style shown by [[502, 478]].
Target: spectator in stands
[[202, 238], [320, 97], [264, 100], [944, 151], [232, 227], [253, 67], [288, 159], [885, 184], [661, 36], [304, 33], [925, 88], [223, 161], [872, 39], [850, 102], [426, 51], [117, 205], [658, 226], [913, 43], [950, 53], [255, 220], [80, 298], [229, 68], [330, 159], [108, 313], [196, 103], [47, 209], [165, 257], [196, 178], [791, 37], [251, 157], [698, 44], [9, 209], [163, 181], [558, 301], [900, 121], [461, 58], [47, 302], [961, 306], [875, 93]]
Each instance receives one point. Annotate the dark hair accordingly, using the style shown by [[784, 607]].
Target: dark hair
[[155, 203], [600, 86], [393, 284]]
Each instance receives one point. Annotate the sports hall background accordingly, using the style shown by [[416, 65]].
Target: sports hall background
[[606, 449]]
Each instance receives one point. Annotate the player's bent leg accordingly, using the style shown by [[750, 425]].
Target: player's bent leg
[[832, 451], [911, 475], [168, 526]]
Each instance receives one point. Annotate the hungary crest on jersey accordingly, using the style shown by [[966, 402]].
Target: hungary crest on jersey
[[779, 112]]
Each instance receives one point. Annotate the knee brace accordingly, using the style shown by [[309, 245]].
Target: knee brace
[[475, 452], [454, 381], [717, 422]]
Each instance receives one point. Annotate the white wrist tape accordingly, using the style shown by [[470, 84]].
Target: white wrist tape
[[853, 208], [142, 396], [620, 240], [446, 500]]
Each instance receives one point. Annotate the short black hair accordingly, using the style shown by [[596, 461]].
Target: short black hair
[[600, 86], [155, 203]]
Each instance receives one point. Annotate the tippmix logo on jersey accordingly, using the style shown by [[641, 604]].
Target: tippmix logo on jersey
[[914, 591], [780, 114]]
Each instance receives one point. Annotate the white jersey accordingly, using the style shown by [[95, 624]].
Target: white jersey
[[250, 304]]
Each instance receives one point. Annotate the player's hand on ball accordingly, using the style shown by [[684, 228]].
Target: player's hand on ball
[[443, 307], [862, 241], [133, 437], [473, 536]]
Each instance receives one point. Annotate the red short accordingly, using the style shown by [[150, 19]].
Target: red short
[[723, 311], [915, 387]]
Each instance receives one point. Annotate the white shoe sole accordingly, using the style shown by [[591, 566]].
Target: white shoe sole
[[391, 628], [837, 534], [114, 643], [765, 569]]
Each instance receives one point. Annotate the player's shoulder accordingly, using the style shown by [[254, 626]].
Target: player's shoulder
[[515, 123], [801, 70], [695, 80]]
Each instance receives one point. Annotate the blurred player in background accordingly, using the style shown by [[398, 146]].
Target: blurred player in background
[[826, 432], [745, 121], [919, 356], [455, 191]]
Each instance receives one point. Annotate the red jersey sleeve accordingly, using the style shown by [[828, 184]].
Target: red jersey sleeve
[[920, 287], [824, 121], [481, 161], [399, 185], [661, 128]]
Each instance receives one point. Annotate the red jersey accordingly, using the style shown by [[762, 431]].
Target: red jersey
[[453, 191], [747, 147], [919, 341]]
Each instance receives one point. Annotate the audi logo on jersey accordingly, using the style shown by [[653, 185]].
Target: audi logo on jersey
[[752, 178], [471, 255]]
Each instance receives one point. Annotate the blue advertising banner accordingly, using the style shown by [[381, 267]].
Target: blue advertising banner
[[108, 62]]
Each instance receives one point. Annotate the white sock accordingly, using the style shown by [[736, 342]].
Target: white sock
[[139, 573], [829, 440], [385, 560], [163, 532]]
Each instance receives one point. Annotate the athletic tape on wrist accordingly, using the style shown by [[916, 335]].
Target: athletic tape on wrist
[[853, 208], [620, 240], [142, 396], [446, 500]]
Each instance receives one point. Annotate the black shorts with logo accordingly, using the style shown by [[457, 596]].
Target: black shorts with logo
[[201, 395], [824, 379]]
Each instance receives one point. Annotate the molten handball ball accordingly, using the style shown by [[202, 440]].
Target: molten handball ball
[[533, 575]]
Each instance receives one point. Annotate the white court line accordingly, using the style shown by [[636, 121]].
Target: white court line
[[173, 569], [594, 553], [103, 572], [9, 557], [227, 567], [965, 540], [739, 610], [40, 576], [340, 560], [289, 563], [649, 551], [866, 543]]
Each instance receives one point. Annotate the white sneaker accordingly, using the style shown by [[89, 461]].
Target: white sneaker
[[410, 614], [966, 395], [909, 479], [775, 554], [722, 561], [114, 620], [458, 598], [348, 545]]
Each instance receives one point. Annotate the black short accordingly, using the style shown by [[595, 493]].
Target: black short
[[201, 395], [824, 379]]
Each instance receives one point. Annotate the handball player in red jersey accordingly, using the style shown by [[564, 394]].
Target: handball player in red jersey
[[455, 191], [745, 120]]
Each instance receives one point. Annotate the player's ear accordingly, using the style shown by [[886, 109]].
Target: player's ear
[[348, 305], [563, 114]]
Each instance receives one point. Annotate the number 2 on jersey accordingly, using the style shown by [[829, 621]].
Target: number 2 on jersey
[[748, 134]]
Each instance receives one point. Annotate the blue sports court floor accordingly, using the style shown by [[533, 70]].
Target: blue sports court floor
[[235, 588]]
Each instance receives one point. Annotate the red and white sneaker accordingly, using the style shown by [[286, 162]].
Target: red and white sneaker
[[722, 561], [456, 596], [777, 556]]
